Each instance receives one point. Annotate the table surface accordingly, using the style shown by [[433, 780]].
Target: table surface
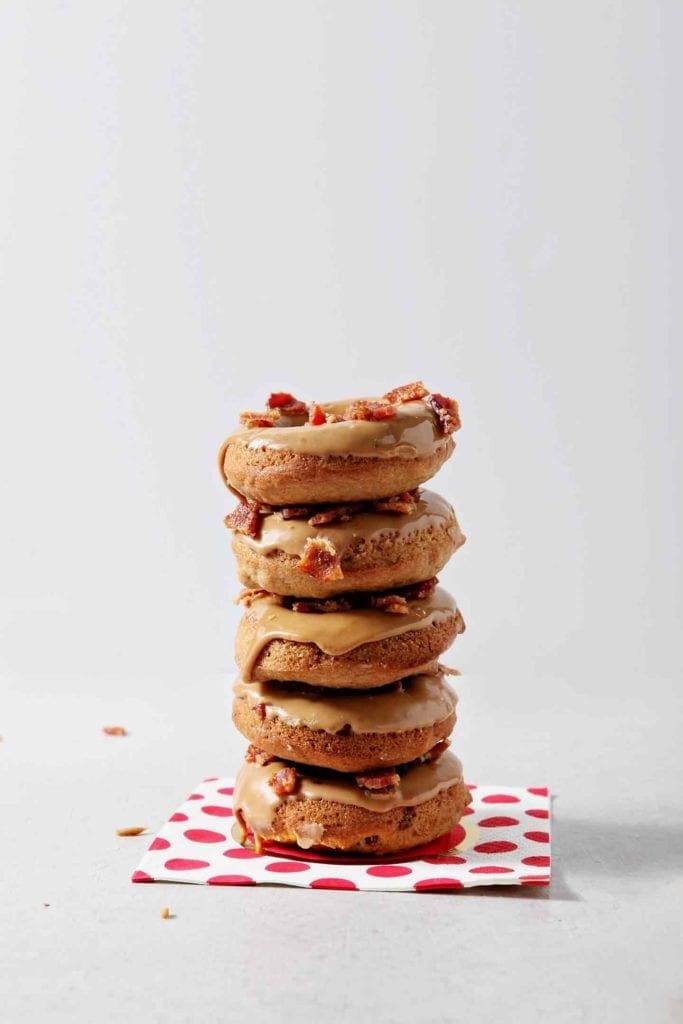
[[79, 942]]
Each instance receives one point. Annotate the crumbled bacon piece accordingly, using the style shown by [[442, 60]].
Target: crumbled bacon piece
[[420, 591], [403, 504], [248, 596], [289, 405], [296, 511], [406, 393], [260, 710], [132, 830], [259, 419], [255, 755], [435, 753], [394, 603], [316, 415], [246, 518], [316, 605], [321, 560], [446, 411], [336, 514], [285, 781], [114, 730], [365, 410], [379, 780]]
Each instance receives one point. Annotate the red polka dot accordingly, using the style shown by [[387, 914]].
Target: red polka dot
[[226, 790], [489, 869], [141, 876], [389, 871], [210, 778], [217, 812], [468, 810], [536, 862], [185, 864], [470, 785], [456, 835], [196, 796], [534, 879], [159, 844], [286, 866], [437, 883], [241, 854], [538, 790], [203, 835], [333, 883], [178, 816], [444, 860], [500, 798], [496, 846], [537, 837], [230, 880], [500, 821], [537, 812]]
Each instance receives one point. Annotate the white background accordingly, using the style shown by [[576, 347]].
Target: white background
[[202, 201]]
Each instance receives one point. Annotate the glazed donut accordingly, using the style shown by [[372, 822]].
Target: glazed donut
[[347, 732], [335, 455], [291, 804], [360, 648], [372, 550]]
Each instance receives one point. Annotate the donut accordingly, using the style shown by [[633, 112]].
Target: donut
[[312, 808], [299, 457], [371, 549], [358, 648], [346, 731]]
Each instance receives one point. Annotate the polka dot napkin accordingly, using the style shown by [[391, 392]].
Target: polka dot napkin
[[504, 839]]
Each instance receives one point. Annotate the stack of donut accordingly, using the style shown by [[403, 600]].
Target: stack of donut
[[341, 694]]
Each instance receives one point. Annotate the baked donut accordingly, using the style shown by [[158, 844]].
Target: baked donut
[[354, 648], [376, 546], [339, 451], [312, 808], [346, 731]]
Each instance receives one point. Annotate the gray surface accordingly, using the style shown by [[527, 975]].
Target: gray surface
[[602, 944]]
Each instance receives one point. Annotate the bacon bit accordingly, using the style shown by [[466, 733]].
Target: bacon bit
[[260, 710], [114, 730], [435, 753], [316, 415], [447, 671], [420, 591], [165, 913], [296, 511], [290, 405], [406, 393], [135, 830], [285, 781], [446, 411], [259, 419], [316, 606], [321, 560], [393, 603], [336, 514], [362, 410], [247, 597], [255, 755], [403, 504], [246, 518], [374, 781]]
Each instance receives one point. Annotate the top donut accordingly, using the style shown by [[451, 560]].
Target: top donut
[[354, 450]]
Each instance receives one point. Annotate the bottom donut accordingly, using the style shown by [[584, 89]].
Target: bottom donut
[[300, 805]]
